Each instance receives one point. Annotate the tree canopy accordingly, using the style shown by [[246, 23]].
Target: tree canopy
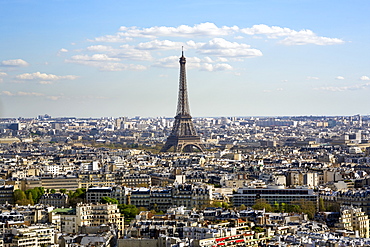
[[301, 206], [107, 199], [129, 211], [30, 196]]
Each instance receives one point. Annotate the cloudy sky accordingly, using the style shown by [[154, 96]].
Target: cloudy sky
[[116, 58]]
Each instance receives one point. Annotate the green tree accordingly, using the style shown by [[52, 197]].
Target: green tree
[[21, 198], [242, 207], [52, 191], [145, 185], [333, 207], [76, 196], [321, 205], [129, 211], [307, 207], [79, 193], [262, 204], [34, 194], [292, 208], [63, 191], [141, 209], [41, 190], [30, 198], [258, 229], [216, 204], [283, 207], [37, 192], [19, 195], [107, 199], [70, 194]]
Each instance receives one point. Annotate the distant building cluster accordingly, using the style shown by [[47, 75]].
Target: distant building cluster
[[282, 181]]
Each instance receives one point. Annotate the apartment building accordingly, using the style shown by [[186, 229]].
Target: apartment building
[[354, 219], [248, 195]]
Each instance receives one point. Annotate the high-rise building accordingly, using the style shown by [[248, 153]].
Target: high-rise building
[[183, 136]]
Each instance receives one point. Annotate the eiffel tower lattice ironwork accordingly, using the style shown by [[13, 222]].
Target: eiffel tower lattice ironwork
[[183, 137]]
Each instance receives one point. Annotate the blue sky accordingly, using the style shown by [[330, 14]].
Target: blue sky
[[244, 58]]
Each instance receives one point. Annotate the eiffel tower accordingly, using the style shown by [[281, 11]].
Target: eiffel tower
[[183, 137]]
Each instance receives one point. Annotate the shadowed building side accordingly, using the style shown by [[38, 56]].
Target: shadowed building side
[[183, 136]]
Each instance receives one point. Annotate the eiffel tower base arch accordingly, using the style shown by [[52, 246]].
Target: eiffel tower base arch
[[183, 144]]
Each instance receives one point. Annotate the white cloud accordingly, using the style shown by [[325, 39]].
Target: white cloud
[[216, 67], [54, 97], [293, 37], [271, 32], [6, 93], [202, 29], [312, 78], [63, 50], [159, 45], [364, 78], [222, 59], [117, 38], [121, 67], [20, 93], [339, 78], [45, 77], [345, 88], [207, 67], [223, 48], [95, 57], [29, 94], [207, 39], [173, 62], [304, 38], [45, 82], [115, 54], [109, 61], [167, 62], [130, 53], [3, 74], [108, 66], [14, 63], [100, 48], [207, 60], [193, 62]]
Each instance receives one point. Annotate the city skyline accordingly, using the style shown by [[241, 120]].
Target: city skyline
[[244, 58]]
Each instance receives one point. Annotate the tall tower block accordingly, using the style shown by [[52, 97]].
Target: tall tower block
[[183, 137]]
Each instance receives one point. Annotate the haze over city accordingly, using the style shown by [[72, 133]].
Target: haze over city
[[244, 58]]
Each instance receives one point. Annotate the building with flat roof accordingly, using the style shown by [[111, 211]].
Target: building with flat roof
[[6, 194], [272, 194]]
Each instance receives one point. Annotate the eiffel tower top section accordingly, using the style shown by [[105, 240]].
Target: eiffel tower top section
[[183, 109]]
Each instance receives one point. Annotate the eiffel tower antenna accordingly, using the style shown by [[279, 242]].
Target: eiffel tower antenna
[[183, 137]]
